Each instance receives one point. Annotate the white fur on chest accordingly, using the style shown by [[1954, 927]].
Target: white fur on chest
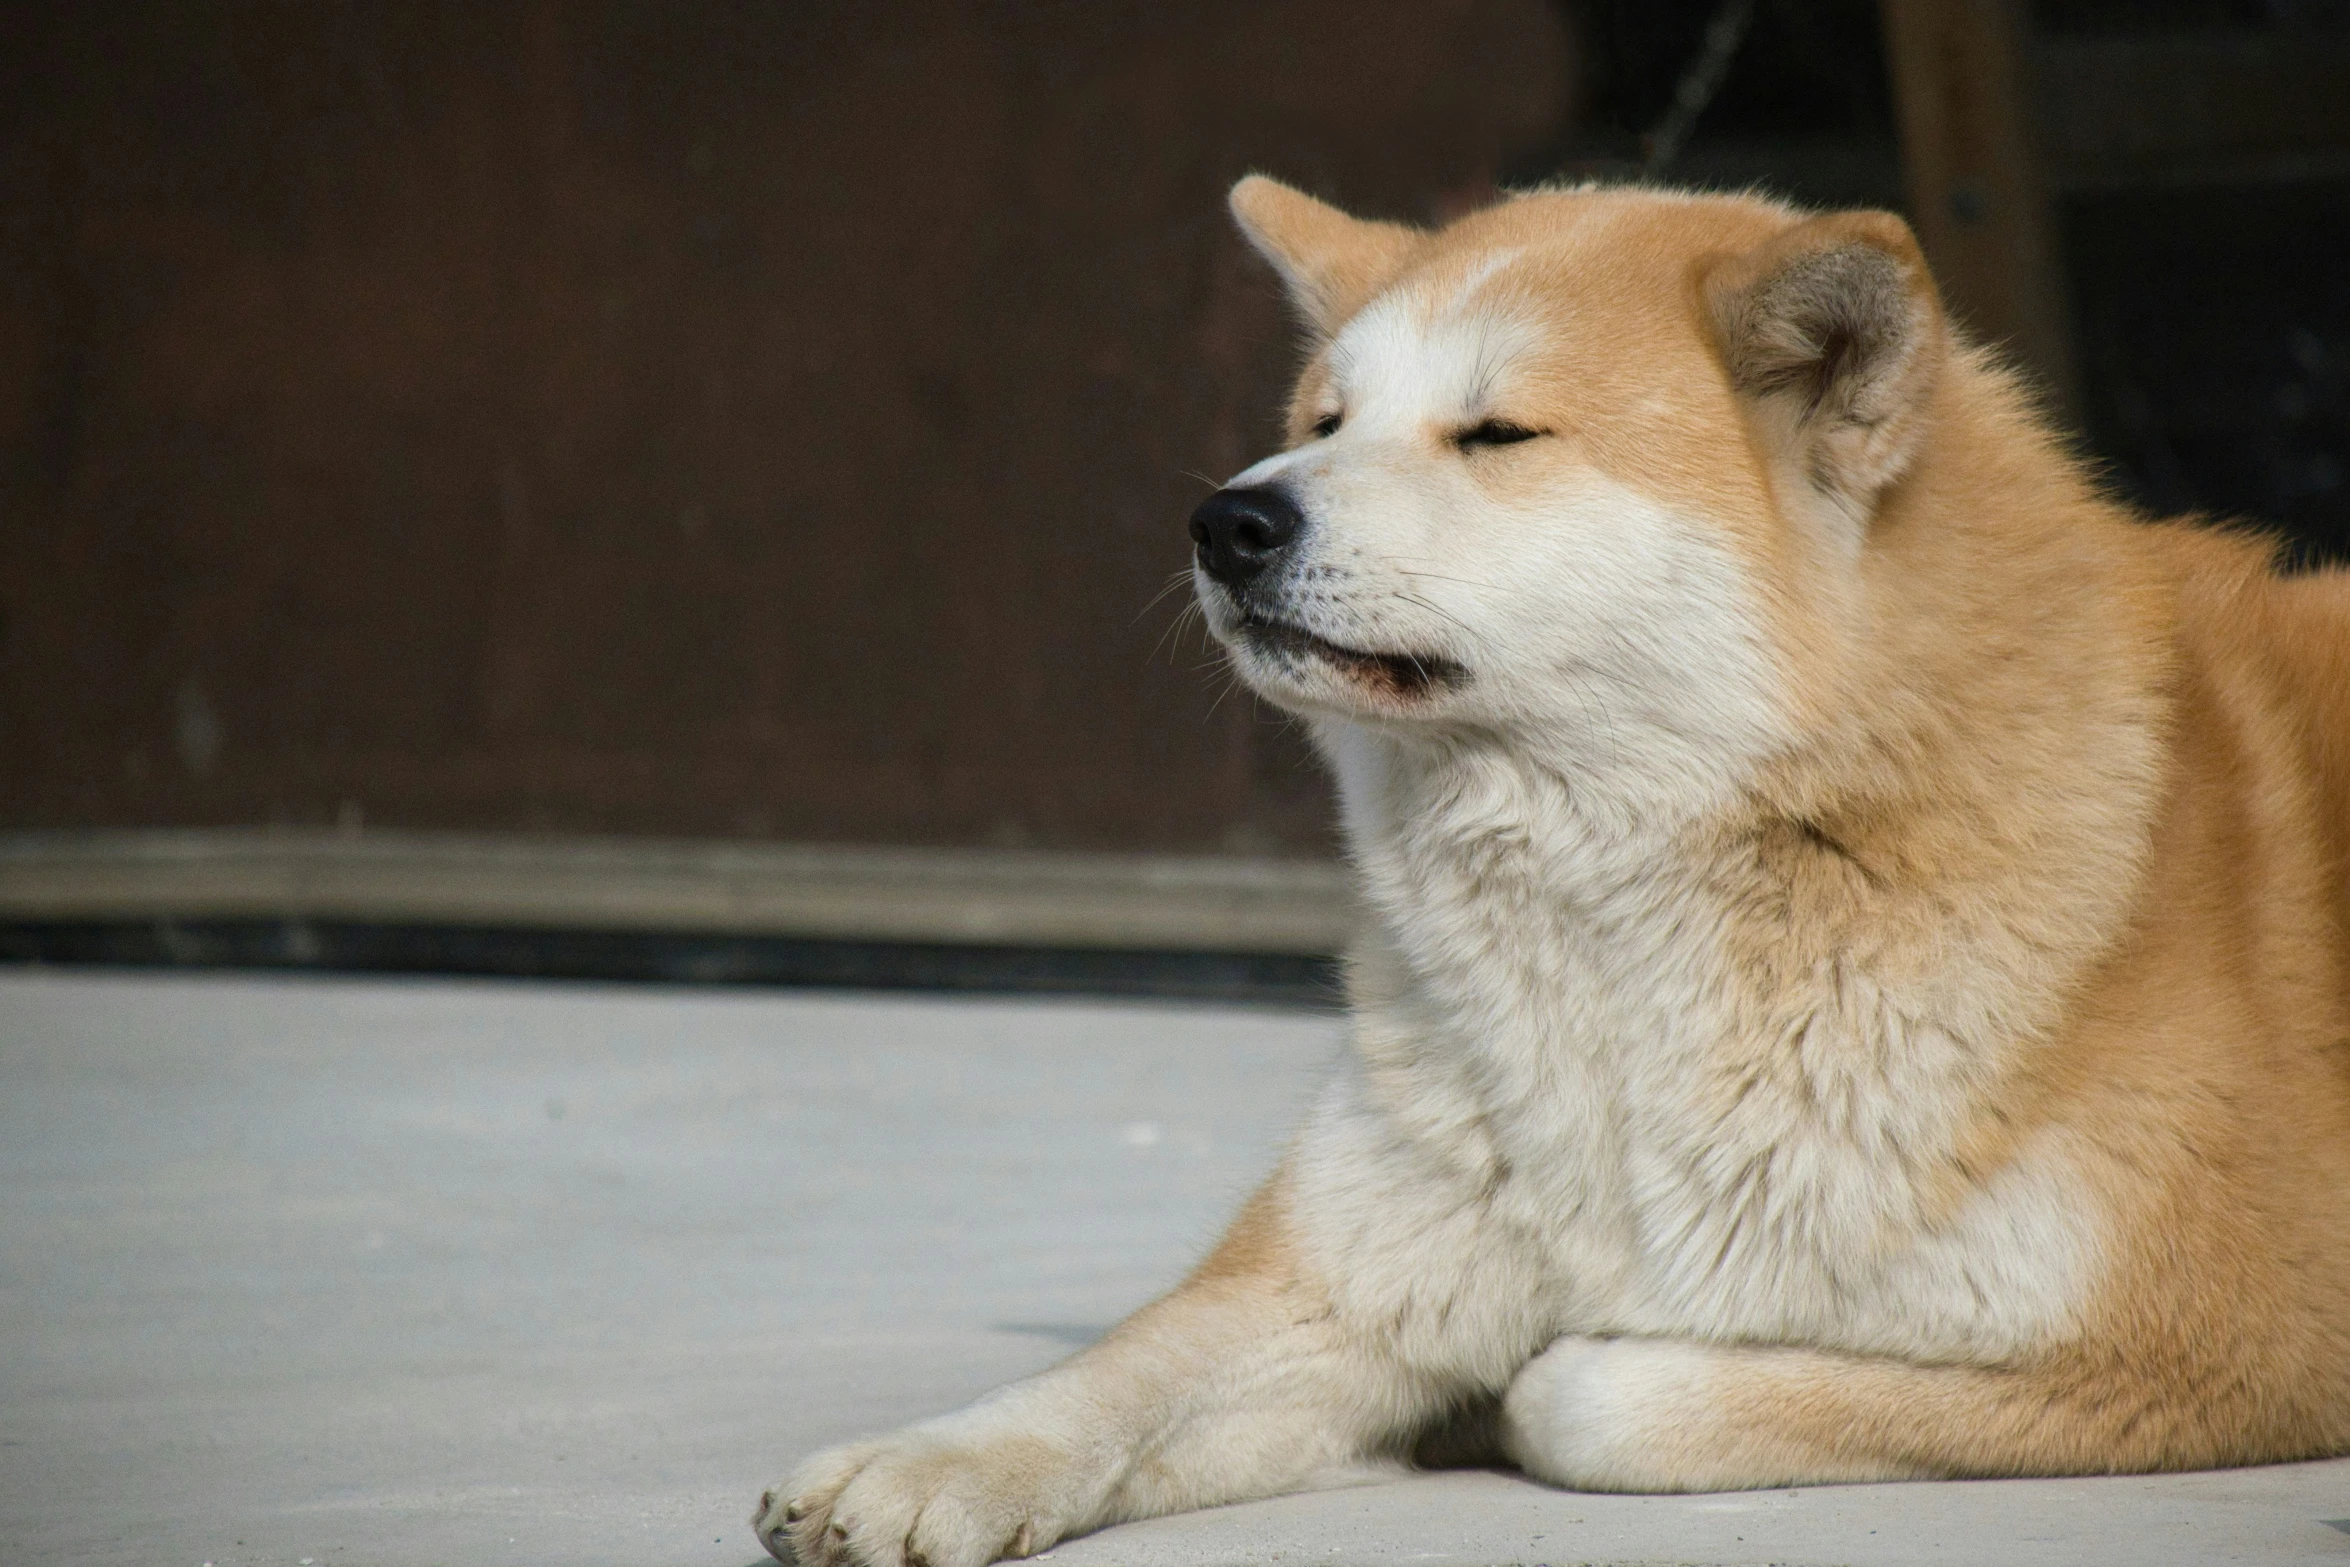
[[1530, 1140]]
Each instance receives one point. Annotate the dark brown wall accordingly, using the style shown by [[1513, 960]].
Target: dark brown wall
[[758, 419]]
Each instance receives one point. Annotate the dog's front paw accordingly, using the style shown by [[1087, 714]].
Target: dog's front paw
[[930, 1496]]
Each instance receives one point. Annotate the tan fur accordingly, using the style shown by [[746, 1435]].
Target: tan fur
[[2060, 788]]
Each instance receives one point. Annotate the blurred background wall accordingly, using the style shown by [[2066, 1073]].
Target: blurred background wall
[[704, 419], [774, 423]]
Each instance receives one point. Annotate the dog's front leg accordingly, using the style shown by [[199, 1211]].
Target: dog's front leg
[[1241, 1383], [1655, 1414]]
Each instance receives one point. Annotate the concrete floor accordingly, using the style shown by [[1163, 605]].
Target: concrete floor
[[413, 1272]]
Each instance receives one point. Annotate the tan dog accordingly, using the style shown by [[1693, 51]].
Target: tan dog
[[1858, 988]]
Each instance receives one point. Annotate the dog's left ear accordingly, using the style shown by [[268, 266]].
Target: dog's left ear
[[1330, 262], [1834, 334]]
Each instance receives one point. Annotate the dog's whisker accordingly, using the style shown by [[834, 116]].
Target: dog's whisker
[[1433, 608], [1438, 576], [1176, 580], [1231, 684], [1171, 637]]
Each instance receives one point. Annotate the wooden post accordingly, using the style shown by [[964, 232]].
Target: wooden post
[[1977, 193]]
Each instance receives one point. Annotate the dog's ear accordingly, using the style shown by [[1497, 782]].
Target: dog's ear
[[1331, 262], [1833, 332]]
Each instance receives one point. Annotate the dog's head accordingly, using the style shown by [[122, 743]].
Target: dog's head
[[1593, 468]]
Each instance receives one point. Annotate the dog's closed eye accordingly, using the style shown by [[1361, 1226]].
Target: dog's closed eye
[[1493, 432]]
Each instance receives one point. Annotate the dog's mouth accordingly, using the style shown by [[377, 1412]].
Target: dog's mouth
[[1397, 674]]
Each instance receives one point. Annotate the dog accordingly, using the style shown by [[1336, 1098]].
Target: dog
[[1858, 973]]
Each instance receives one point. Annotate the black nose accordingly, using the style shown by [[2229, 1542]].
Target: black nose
[[1241, 532]]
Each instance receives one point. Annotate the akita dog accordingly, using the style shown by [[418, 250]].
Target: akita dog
[[1859, 980]]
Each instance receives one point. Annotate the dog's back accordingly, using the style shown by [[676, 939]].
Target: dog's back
[[2307, 629]]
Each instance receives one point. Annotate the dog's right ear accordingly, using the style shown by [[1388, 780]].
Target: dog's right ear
[[1834, 332], [1330, 262]]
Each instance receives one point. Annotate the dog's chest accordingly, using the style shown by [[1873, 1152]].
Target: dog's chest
[[1564, 1043], [1558, 1016]]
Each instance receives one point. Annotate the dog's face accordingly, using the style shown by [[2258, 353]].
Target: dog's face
[[1586, 467]]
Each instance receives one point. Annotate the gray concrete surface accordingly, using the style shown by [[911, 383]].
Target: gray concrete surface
[[417, 1273]]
